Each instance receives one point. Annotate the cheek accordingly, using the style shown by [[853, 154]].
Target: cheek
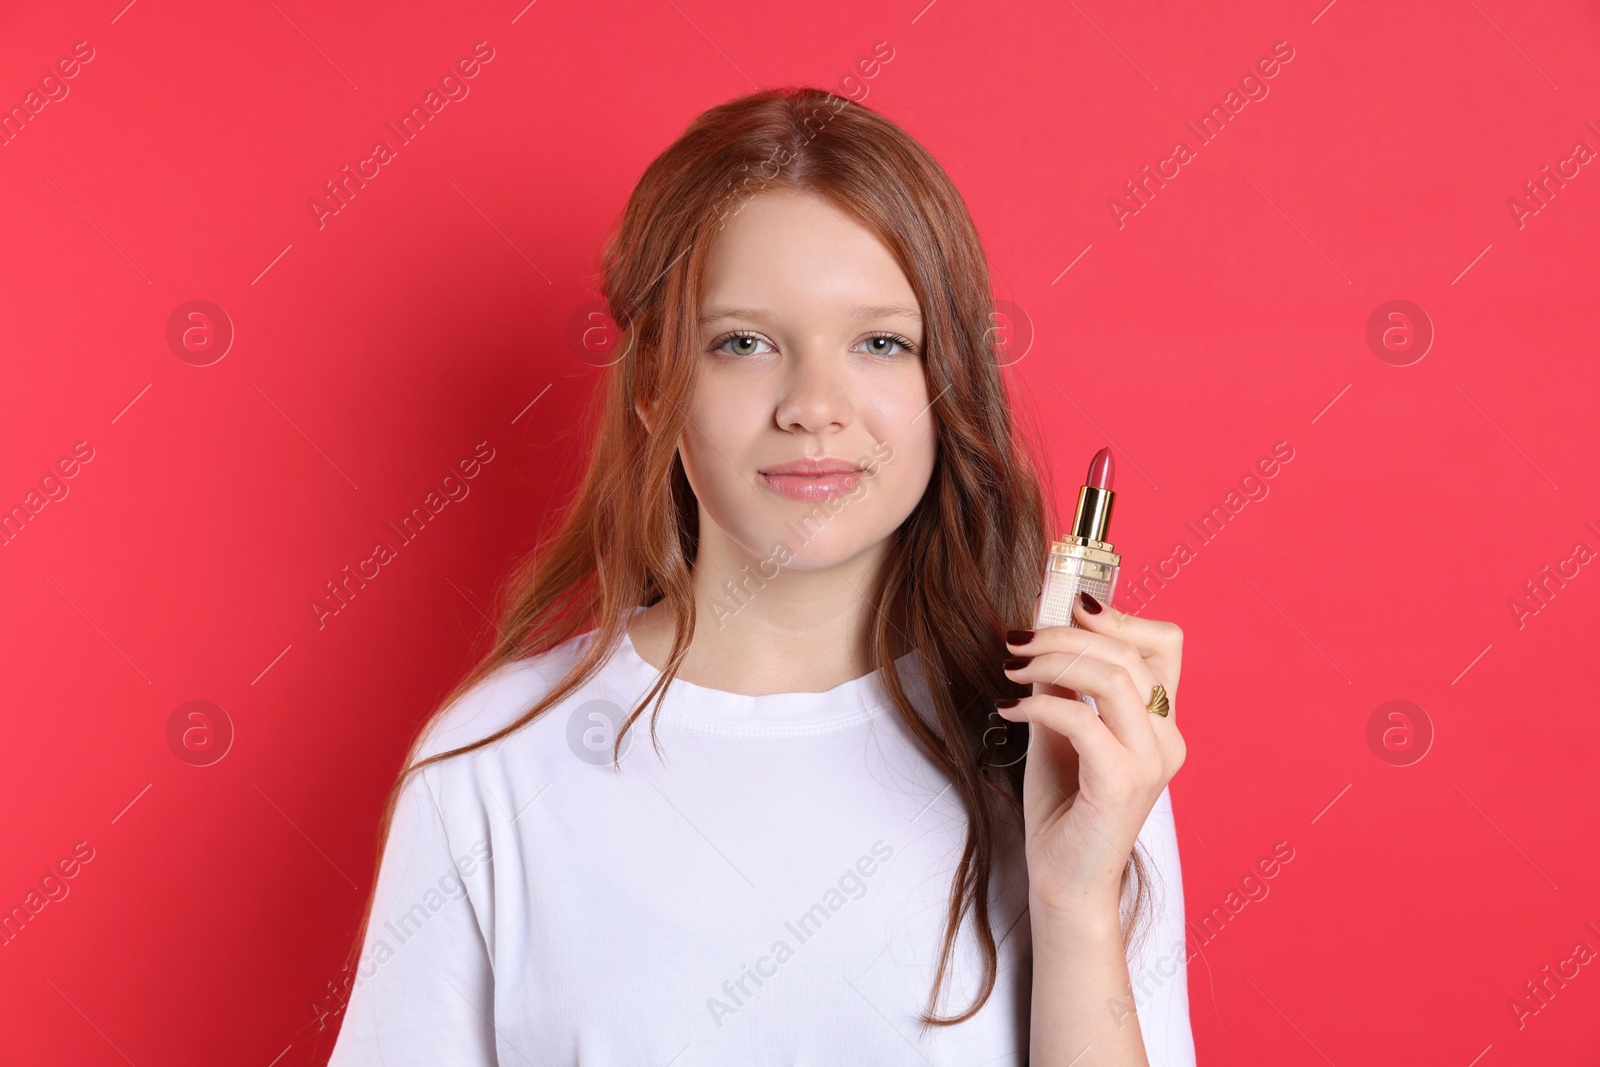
[[911, 465], [904, 421], [701, 449], [715, 443]]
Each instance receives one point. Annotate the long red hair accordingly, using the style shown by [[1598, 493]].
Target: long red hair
[[963, 568]]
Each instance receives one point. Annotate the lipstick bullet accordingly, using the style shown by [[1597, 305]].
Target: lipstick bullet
[[1082, 561]]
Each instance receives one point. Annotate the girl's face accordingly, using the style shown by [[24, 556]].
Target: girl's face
[[811, 348]]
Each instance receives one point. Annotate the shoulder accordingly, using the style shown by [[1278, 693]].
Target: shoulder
[[501, 697]]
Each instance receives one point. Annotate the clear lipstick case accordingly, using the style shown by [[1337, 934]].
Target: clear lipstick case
[[1079, 564], [1074, 569]]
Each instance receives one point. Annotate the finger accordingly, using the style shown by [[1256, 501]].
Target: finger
[[1116, 694], [1149, 634], [1076, 640], [1147, 667], [1155, 638], [1073, 719]]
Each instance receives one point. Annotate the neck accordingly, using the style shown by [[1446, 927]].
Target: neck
[[771, 624]]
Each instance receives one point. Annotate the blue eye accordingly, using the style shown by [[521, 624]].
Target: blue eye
[[741, 339], [892, 338], [744, 344]]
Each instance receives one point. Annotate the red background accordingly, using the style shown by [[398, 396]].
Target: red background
[[373, 353]]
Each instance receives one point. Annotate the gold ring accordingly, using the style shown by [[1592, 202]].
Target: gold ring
[[1159, 704]]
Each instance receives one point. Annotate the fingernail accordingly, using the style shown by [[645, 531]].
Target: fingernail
[[1017, 661], [1090, 604], [1018, 637], [1007, 702]]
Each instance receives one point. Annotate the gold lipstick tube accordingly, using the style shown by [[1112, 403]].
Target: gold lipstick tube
[[1082, 561]]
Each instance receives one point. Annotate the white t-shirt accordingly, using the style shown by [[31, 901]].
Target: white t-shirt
[[772, 889]]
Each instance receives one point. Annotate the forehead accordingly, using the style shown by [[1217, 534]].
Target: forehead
[[784, 252]]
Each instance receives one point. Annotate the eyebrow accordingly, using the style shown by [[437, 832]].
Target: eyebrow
[[861, 311]]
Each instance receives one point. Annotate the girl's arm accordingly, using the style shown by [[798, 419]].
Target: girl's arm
[[1080, 981], [1145, 990], [1094, 777]]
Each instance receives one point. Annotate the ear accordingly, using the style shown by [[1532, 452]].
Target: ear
[[643, 413]]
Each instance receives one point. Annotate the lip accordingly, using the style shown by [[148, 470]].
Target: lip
[[814, 465], [812, 478]]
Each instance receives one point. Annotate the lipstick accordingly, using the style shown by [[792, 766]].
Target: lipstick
[[1082, 561]]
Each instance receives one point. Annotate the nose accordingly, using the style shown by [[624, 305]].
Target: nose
[[815, 397]]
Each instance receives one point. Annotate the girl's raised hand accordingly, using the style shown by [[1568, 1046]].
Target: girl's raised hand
[[1091, 780]]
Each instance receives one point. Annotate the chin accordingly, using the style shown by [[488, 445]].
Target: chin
[[813, 549]]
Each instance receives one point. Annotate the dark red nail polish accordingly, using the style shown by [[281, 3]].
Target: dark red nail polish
[[1018, 637], [1017, 661], [1090, 604], [1007, 702]]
